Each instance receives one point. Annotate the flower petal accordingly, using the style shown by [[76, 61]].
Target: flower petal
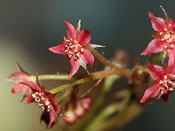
[[29, 99], [171, 61], [87, 57], [93, 46], [60, 49], [171, 24], [54, 102], [153, 47], [79, 110], [158, 23], [75, 65], [71, 117], [22, 88], [156, 72], [71, 31], [84, 37], [53, 116], [17, 74], [151, 93], [32, 85]]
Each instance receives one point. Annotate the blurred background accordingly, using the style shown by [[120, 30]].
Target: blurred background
[[29, 28]]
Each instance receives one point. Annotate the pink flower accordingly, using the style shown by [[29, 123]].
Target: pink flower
[[18, 77], [44, 99], [164, 37], [77, 109], [76, 47], [164, 82]]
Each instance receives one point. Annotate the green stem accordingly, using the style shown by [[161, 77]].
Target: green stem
[[113, 121], [92, 76], [51, 77], [98, 122], [102, 116], [139, 67], [130, 112], [124, 72]]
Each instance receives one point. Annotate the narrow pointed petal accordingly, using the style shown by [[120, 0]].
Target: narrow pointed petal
[[60, 49], [153, 47], [87, 57], [156, 72], [21, 69], [165, 14], [54, 102], [84, 37], [22, 88], [53, 116], [151, 93], [32, 85], [171, 24], [171, 61], [93, 46], [78, 26], [71, 31], [17, 74], [29, 99], [75, 65], [158, 23]]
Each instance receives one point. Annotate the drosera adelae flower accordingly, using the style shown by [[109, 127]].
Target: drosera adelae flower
[[44, 99], [164, 82], [18, 77], [164, 37], [76, 46]]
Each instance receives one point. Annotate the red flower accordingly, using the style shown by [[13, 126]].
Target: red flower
[[44, 99], [164, 36], [76, 47], [18, 77], [164, 82]]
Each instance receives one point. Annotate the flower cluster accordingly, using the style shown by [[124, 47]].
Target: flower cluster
[[164, 78], [77, 109]]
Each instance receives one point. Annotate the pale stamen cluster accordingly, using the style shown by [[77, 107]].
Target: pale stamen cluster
[[167, 83], [168, 37], [42, 100], [73, 49]]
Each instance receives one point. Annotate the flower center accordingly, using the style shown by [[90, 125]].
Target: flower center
[[168, 37], [167, 83], [42, 100], [73, 49]]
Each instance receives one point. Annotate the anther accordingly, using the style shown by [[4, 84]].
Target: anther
[[165, 77]]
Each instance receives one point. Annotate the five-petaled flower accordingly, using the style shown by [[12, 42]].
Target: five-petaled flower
[[164, 37], [76, 46], [18, 77], [44, 99], [164, 82]]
